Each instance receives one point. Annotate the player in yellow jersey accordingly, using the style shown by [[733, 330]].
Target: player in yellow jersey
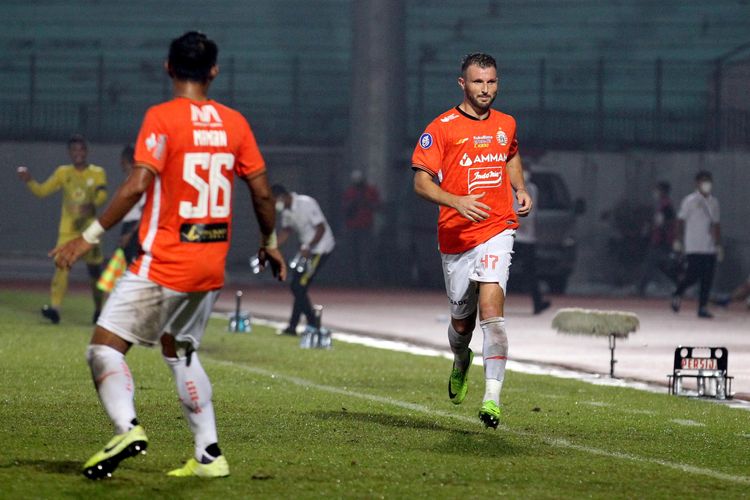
[[84, 188]]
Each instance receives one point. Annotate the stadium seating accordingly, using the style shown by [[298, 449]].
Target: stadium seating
[[287, 63]]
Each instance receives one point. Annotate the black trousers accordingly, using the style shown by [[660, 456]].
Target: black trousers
[[525, 254], [700, 269], [300, 283]]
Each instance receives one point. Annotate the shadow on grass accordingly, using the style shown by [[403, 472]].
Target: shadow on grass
[[51, 466], [485, 442]]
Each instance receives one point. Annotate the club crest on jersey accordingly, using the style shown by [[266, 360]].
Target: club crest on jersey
[[485, 177], [448, 118], [155, 145], [502, 139], [425, 141]]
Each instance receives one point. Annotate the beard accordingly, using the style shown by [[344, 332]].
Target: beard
[[483, 105]]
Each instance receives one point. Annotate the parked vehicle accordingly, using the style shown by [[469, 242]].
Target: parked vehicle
[[555, 224]]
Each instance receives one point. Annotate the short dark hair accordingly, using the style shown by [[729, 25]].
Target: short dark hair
[[278, 190], [703, 175], [77, 139], [479, 59], [192, 56], [128, 153]]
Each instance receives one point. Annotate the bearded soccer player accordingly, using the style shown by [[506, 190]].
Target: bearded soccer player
[[467, 162], [84, 188], [188, 151]]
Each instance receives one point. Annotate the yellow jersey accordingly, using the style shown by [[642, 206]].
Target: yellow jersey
[[81, 189]]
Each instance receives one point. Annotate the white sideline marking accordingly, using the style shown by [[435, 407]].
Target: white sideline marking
[[557, 442], [529, 368], [687, 422]]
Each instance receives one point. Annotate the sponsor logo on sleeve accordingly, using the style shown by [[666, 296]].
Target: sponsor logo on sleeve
[[425, 141], [448, 118], [155, 145], [485, 177]]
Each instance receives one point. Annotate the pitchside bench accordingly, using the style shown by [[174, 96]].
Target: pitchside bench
[[707, 365]]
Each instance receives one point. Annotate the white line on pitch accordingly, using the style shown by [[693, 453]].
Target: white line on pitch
[[557, 442]]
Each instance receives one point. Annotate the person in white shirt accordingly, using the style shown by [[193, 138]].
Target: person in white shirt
[[699, 237], [524, 248], [302, 215]]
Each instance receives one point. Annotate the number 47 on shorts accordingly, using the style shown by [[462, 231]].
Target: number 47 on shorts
[[489, 261]]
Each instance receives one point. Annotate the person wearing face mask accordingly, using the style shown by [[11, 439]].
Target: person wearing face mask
[[699, 237], [662, 234], [302, 214]]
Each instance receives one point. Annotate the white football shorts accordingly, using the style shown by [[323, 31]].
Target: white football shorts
[[488, 262], [140, 311]]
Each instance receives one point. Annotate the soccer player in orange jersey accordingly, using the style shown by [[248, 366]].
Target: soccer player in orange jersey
[[467, 162], [187, 153]]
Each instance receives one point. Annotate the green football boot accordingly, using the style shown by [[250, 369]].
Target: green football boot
[[489, 414], [458, 383], [120, 447], [193, 468]]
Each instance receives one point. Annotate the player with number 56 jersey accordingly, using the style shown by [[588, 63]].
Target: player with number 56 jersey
[[194, 148], [188, 152]]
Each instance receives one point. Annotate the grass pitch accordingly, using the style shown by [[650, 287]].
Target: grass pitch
[[350, 422]]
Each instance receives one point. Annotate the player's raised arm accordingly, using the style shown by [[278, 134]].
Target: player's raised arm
[[468, 206]]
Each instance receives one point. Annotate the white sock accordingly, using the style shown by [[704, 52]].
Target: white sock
[[114, 384], [495, 353], [194, 390], [459, 346]]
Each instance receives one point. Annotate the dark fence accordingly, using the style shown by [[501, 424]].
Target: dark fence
[[594, 104]]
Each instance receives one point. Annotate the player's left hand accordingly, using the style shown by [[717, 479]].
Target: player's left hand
[[524, 203], [273, 257], [68, 253]]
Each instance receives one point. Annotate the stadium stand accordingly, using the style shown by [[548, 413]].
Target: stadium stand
[[584, 73]]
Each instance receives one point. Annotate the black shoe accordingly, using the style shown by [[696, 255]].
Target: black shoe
[[541, 307], [703, 313], [289, 331], [676, 303], [95, 318], [51, 314]]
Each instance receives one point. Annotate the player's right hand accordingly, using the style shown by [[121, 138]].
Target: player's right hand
[[68, 253], [273, 257], [23, 173], [470, 207]]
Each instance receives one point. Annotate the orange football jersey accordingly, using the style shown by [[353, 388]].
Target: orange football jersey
[[194, 148], [469, 156]]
